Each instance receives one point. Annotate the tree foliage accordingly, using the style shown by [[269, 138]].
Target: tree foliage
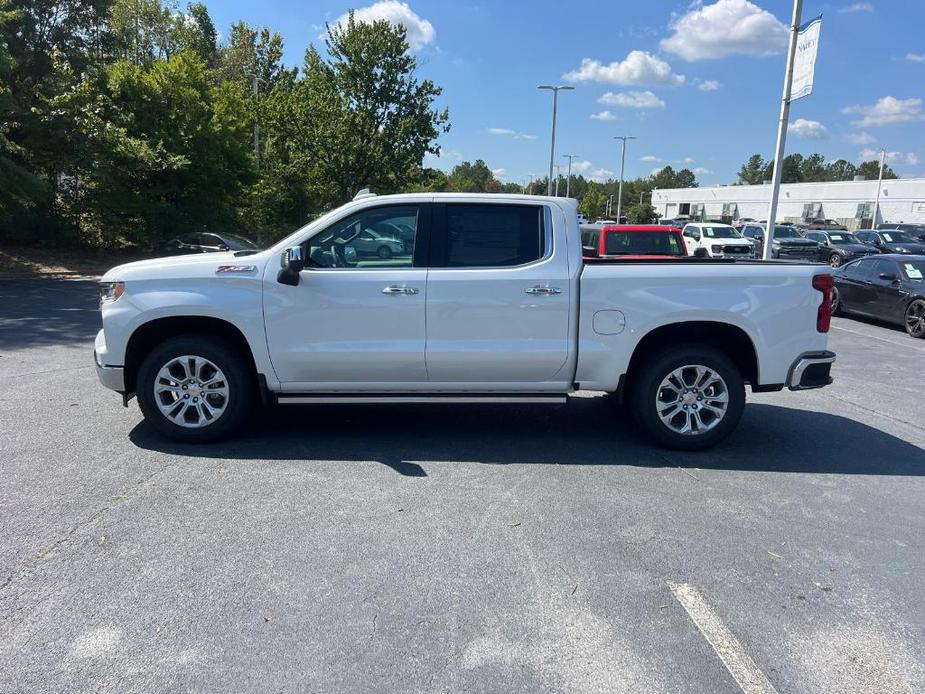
[[126, 121], [797, 168]]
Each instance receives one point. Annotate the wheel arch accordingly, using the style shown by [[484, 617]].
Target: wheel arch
[[152, 333], [730, 339]]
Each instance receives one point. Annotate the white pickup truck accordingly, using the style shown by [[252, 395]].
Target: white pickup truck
[[480, 298]]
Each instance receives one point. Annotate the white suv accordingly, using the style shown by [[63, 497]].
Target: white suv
[[718, 240]]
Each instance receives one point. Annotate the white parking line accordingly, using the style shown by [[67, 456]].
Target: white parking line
[[727, 646], [875, 337]]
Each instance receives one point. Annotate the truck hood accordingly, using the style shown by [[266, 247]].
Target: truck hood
[[179, 266]]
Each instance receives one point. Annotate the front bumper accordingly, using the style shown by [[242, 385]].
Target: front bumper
[[113, 377], [811, 370]]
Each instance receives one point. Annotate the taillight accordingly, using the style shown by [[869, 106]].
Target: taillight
[[824, 284]]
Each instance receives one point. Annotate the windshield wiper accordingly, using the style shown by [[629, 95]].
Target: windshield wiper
[[241, 254]]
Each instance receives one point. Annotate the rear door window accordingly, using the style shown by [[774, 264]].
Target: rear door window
[[487, 235]]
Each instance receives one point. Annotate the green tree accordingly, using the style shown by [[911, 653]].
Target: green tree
[[642, 213], [372, 121], [754, 171], [814, 169], [667, 177], [20, 190], [470, 177], [871, 170], [593, 203], [166, 152], [840, 170]]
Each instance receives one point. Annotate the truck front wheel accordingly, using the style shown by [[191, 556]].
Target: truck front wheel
[[195, 388], [688, 397]]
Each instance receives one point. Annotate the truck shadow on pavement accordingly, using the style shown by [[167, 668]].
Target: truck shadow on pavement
[[588, 431], [42, 312]]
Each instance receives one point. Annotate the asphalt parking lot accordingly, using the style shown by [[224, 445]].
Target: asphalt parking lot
[[466, 548]]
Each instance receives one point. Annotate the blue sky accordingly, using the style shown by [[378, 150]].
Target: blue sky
[[697, 83]]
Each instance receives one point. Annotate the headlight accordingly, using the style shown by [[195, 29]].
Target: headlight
[[717, 249], [110, 291]]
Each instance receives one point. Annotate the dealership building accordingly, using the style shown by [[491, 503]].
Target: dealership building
[[849, 202]]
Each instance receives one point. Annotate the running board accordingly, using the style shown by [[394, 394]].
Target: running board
[[481, 398]]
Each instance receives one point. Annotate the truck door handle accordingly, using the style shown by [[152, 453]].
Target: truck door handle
[[543, 289], [399, 289]]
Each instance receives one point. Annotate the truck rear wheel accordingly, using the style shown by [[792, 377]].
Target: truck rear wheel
[[195, 388], [688, 397]]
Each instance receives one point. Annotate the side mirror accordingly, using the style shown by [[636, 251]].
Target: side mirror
[[292, 263], [889, 276], [700, 253]]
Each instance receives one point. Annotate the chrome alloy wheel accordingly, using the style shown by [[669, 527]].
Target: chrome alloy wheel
[[191, 391], [692, 400]]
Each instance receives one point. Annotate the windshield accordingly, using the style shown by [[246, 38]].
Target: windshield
[[843, 238], [720, 232], [786, 233], [238, 243], [642, 243], [913, 270], [897, 237]]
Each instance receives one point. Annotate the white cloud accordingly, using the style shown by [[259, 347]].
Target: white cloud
[[708, 85], [638, 68], [915, 57], [644, 99], [420, 32], [887, 110], [910, 158], [498, 173], [861, 138], [811, 129], [580, 166], [507, 132], [654, 171], [688, 160], [726, 27], [600, 175], [603, 115], [649, 158], [857, 7], [700, 171]]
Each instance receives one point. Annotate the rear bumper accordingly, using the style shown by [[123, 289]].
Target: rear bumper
[[811, 370], [113, 377]]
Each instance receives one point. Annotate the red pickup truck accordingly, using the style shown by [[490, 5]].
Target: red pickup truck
[[632, 242]]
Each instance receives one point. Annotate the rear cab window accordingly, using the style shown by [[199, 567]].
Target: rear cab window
[[489, 235]]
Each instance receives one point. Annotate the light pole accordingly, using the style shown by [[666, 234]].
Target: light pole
[[530, 187], [622, 138], [873, 221], [555, 89], [558, 176], [568, 179]]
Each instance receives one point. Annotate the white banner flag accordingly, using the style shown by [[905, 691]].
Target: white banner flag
[[804, 62]]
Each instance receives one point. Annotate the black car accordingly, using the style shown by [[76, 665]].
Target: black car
[[916, 231], [839, 247], [208, 243], [889, 241], [887, 287], [788, 242]]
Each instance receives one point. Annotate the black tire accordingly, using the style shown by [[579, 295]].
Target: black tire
[[914, 319], [835, 260], [384, 252], [241, 385], [646, 388], [836, 303]]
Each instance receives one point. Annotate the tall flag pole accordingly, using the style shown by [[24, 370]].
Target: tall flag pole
[[798, 82]]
